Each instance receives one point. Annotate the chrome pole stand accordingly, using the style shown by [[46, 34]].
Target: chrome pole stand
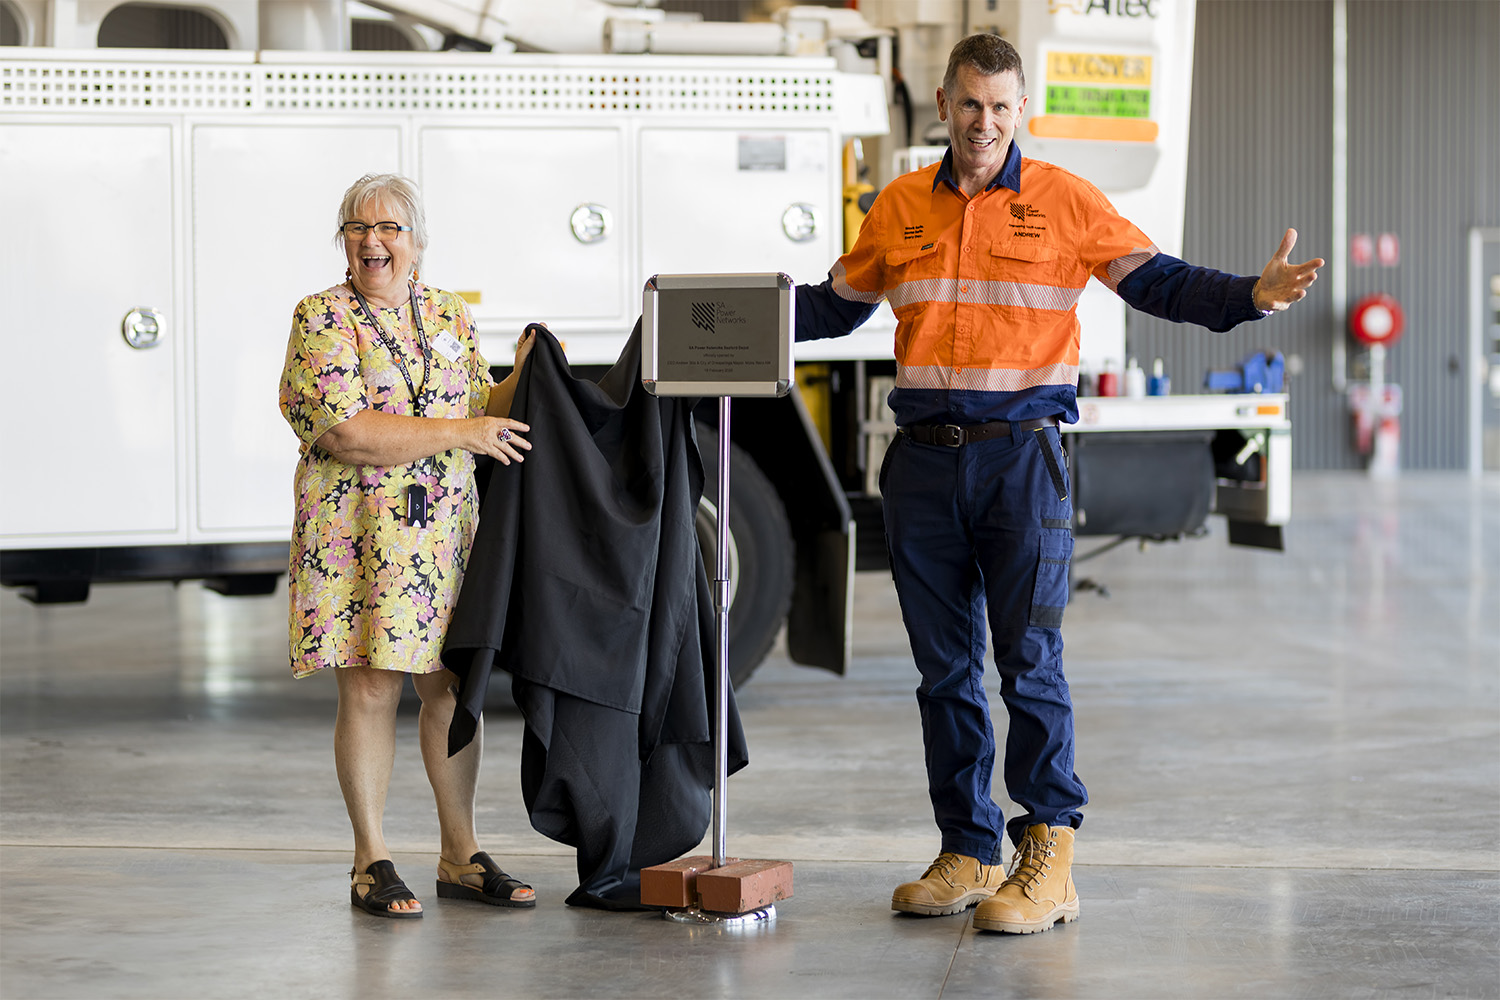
[[695, 915]]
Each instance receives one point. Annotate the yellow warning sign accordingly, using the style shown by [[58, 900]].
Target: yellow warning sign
[[1099, 67]]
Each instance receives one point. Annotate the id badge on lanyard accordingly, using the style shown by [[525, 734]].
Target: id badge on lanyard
[[416, 493], [416, 505]]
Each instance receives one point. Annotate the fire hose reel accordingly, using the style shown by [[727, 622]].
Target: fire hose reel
[[1377, 319]]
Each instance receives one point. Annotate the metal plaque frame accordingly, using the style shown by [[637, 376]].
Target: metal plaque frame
[[717, 334]]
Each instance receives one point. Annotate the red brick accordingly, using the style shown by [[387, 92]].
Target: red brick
[[744, 886], [674, 883]]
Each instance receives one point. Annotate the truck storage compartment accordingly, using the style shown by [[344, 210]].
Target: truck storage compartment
[[1156, 484]]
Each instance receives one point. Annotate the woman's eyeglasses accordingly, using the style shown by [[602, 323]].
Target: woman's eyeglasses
[[385, 230]]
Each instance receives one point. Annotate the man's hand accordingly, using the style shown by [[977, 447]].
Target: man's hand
[[1283, 282]]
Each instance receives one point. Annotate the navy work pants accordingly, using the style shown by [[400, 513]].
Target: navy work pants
[[984, 525]]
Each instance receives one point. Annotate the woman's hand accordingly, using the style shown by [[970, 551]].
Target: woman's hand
[[495, 437], [503, 393], [524, 346]]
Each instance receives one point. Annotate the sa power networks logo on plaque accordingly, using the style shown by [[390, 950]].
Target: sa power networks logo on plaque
[[709, 316], [703, 315]]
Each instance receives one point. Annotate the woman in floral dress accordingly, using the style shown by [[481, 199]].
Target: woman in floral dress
[[385, 386]]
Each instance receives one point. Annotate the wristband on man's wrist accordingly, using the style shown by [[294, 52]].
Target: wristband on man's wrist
[[1263, 312]]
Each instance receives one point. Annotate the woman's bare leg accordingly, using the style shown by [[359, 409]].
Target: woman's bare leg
[[364, 751], [454, 779]]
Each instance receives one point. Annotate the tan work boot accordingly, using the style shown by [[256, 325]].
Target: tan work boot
[[1039, 891], [952, 883]]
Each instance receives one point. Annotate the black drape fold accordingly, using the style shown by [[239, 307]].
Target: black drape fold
[[585, 583]]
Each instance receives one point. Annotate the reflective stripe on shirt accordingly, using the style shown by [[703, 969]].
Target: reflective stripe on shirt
[[984, 379]]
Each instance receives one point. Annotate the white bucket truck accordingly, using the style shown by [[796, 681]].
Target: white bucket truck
[[167, 207]]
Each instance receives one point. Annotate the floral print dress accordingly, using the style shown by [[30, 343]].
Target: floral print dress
[[366, 588]]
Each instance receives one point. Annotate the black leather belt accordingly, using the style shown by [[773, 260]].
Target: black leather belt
[[954, 436]]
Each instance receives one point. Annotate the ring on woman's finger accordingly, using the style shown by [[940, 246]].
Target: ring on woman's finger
[[505, 434]]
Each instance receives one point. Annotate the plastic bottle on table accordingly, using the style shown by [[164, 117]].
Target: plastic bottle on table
[[1160, 383], [1109, 380], [1135, 380]]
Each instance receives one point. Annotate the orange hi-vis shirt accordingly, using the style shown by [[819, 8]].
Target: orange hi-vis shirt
[[984, 288]]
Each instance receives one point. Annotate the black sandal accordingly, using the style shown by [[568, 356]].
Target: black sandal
[[498, 889], [386, 888]]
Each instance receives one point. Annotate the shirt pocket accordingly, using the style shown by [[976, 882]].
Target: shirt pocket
[[900, 257], [1026, 261], [909, 275]]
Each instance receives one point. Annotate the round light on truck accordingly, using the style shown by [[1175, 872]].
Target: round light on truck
[[799, 222]]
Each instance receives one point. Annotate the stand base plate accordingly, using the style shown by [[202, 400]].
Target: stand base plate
[[694, 915]]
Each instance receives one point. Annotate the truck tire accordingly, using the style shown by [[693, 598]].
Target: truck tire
[[761, 554]]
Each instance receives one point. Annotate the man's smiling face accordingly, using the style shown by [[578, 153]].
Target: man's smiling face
[[982, 113]]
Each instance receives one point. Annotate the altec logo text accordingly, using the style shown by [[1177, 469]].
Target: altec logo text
[[1106, 8]]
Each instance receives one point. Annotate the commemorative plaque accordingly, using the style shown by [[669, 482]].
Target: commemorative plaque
[[717, 334]]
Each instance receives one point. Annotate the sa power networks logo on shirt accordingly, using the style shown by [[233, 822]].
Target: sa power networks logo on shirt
[[1026, 220]]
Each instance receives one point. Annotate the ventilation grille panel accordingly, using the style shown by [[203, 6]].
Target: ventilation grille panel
[[125, 87], [502, 90]]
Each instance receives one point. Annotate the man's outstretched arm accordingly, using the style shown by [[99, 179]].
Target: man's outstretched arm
[[1175, 290]]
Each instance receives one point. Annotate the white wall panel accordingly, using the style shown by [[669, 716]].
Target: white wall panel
[[90, 440]]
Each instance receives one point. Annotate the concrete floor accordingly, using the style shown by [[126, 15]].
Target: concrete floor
[[1294, 761]]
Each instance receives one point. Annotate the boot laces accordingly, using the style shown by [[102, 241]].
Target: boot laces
[[945, 865], [1029, 865]]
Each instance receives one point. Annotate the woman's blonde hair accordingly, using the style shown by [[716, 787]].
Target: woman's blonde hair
[[402, 192]]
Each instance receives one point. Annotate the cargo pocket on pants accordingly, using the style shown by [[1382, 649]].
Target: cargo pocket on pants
[[1050, 595]]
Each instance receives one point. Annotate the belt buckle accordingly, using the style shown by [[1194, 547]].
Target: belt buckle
[[948, 435]]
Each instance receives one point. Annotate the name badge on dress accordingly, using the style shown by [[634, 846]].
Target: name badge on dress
[[448, 346]]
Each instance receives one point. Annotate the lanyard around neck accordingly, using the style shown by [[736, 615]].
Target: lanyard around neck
[[395, 348]]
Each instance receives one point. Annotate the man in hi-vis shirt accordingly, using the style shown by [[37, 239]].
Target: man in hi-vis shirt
[[983, 258]]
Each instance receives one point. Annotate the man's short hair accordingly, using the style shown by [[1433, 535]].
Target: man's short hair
[[988, 54]]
